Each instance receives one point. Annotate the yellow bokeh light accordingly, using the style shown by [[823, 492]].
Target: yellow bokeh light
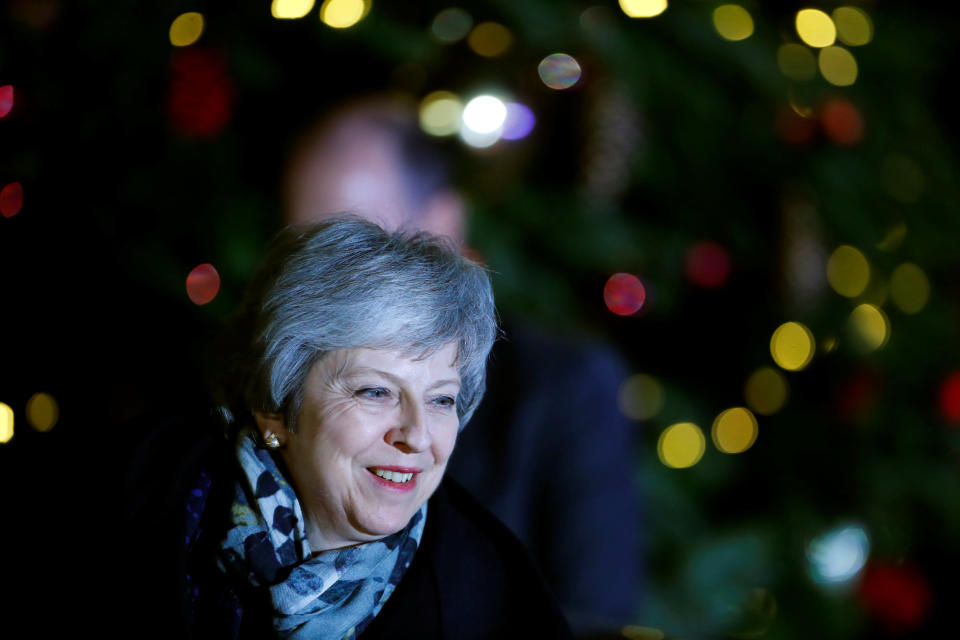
[[792, 346], [342, 14], [837, 66], [490, 39], [815, 28], [848, 271], [796, 62], [640, 397], [732, 22], [681, 445], [766, 391], [893, 238], [734, 430], [42, 411], [909, 288], [440, 113], [854, 26], [869, 327], [643, 8], [290, 9], [828, 344], [6, 423], [186, 29]]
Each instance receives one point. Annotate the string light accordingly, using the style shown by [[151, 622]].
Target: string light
[[203, 283], [734, 430], [42, 411], [6, 99], [681, 445], [643, 8], [440, 113], [451, 25], [186, 29], [490, 39], [6, 423], [848, 271], [343, 14], [559, 71], [854, 26], [290, 9], [815, 28], [792, 346], [11, 200], [869, 327], [732, 22], [837, 66], [624, 294], [766, 391], [909, 288], [640, 397]]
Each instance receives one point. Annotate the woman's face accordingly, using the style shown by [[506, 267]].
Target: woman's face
[[372, 440]]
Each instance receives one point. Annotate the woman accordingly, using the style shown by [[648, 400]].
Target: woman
[[329, 515]]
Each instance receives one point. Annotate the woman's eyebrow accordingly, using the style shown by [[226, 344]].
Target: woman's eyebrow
[[396, 379]]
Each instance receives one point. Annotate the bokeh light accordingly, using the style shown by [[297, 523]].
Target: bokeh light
[[203, 283], [837, 556], [624, 294], [643, 8], [640, 397], [794, 127], [766, 391], [848, 271], [854, 26], [186, 29], [792, 346], [6, 423], [815, 28], [903, 178], [896, 595], [519, 121], [42, 411], [732, 22], [440, 113], [842, 121], [451, 25], [869, 327], [949, 397], [490, 39], [342, 14], [796, 62], [708, 265], [290, 9], [681, 445], [11, 200], [837, 66], [909, 288], [893, 238], [484, 114], [559, 71], [734, 430], [6, 99]]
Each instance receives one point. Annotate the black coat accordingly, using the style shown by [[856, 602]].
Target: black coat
[[470, 579]]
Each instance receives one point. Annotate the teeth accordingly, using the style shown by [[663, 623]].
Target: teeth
[[393, 476]]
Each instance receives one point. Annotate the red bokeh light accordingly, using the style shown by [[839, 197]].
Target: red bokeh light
[[898, 596], [950, 397], [708, 265], [856, 398], [842, 121], [624, 294], [6, 99], [794, 128], [200, 99], [11, 200], [203, 283]]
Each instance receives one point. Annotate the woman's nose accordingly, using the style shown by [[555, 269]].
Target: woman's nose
[[410, 434]]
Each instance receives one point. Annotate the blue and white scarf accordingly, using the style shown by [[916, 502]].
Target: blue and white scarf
[[332, 594]]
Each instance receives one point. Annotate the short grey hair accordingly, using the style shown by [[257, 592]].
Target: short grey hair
[[347, 283]]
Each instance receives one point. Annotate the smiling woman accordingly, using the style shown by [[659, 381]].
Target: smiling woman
[[357, 358]]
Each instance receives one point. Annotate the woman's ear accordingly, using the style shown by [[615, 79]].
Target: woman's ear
[[271, 423]]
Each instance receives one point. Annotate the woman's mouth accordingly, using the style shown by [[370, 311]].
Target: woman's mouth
[[396, 478]]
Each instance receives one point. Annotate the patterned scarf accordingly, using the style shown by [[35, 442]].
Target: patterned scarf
[[333, 594]]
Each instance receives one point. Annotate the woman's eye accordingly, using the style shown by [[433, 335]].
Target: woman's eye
[[373, 392], [445, 401]]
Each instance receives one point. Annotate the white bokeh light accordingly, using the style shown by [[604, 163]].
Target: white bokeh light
[[838, 555], [484, 114]]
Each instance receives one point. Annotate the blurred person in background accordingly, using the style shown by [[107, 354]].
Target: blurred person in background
[[548, 451]]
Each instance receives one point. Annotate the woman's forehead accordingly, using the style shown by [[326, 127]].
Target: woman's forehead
[[440, 362]]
